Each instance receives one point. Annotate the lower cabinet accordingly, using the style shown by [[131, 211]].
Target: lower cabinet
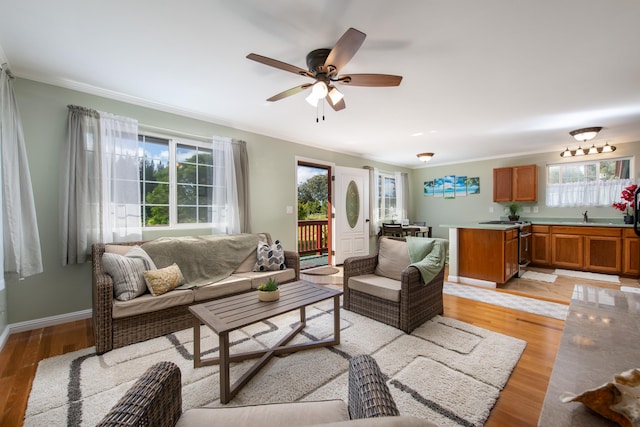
[[631, 251], [490, 255], [540, 245], [597, 249]]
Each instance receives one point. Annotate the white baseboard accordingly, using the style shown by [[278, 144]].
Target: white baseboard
[[477, 282], [30, 325], [49, 321]]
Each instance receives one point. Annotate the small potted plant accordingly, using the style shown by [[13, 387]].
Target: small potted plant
[[514, 208], [269, 291], [623, 206]]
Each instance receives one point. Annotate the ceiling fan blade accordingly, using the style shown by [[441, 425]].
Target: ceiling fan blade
[[373, 80], [344, 49], [289, 92], [340, 105], [279, 64]]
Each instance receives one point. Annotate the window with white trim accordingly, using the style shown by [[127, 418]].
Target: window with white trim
[[587, 183], [176, 181], [387, 197]]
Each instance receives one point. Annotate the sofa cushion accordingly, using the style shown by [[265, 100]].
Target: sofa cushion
[[231, 285], [393, 257], [147, 303], [127, 272], [260, 277], [379, 286], [270, 257], [270, 415], [163, 280]]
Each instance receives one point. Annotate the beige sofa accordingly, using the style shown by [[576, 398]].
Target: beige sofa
[[119, 323], [156, 400]]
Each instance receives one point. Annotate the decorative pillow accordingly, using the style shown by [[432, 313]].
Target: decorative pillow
[[127, 272], [393, 257], [270, 258], [163, 280]]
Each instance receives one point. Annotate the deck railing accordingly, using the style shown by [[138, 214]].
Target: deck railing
[[313, 236]]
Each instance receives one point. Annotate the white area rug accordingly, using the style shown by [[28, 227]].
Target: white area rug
[[502, 299], [446, 371], [612, 278], [540, 277]]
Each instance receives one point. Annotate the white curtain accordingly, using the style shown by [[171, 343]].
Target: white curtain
[[593, 193], [120, 188], [21, 241], [402, 196], [100, 191], [226, 215]]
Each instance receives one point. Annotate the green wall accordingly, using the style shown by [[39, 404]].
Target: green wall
[[439, 211], [60, 290]]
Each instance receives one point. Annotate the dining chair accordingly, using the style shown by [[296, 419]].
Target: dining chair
[[392, 230]]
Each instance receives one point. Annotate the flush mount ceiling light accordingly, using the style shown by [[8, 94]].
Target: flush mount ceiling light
[[585, 134], [424, 157]]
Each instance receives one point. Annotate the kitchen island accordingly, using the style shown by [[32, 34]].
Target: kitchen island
[[483, 254]]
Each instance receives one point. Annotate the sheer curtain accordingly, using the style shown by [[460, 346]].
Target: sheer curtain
[[402, 195], [100, 199], [592, 193], [226, 216], [120, 188], [21, 241]]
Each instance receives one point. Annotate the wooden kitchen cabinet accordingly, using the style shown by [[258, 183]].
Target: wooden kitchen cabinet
[[597, 249], [515, 184], [567, 250], [540, 245], [485, 254], [631, 251]]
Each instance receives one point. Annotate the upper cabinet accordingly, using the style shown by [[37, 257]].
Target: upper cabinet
[[515, 184]]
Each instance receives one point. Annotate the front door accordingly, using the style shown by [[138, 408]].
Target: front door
[[351, 203]]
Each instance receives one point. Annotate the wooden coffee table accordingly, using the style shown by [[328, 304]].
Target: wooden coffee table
[[228, 314]]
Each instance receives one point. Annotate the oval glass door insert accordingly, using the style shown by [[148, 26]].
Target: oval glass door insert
[[352, 204]]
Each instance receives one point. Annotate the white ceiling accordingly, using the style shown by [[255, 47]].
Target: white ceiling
[[481, 79]]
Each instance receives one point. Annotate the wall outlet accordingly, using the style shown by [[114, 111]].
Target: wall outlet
[[289, 209], [535, 209], [491, 209]]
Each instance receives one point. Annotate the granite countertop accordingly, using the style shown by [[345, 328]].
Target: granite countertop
[[601, 338], [481, 226]]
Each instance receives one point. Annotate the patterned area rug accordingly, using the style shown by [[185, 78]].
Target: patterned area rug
[[502, 299], [446, 371]]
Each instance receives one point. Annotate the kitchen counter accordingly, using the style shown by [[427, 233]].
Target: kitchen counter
[[477, 225], [601, 338]]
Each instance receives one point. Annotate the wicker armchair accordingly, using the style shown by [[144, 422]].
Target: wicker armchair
[[156, 400], [417, 302]]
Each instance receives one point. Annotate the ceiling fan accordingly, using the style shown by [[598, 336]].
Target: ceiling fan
[[323, 66]]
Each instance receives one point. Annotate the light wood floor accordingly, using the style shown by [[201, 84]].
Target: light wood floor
[[519, 403]]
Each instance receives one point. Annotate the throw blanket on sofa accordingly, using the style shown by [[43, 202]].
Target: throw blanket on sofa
[[202, 259], [427, 255]]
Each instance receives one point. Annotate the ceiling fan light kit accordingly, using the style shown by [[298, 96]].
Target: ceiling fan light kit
[[585, 135], [323, 66]]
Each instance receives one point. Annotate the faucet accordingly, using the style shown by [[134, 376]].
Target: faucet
[[585, 217]]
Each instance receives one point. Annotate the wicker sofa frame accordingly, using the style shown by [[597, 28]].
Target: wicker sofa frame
[[113, 333], [156, 398], [418, 303]]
